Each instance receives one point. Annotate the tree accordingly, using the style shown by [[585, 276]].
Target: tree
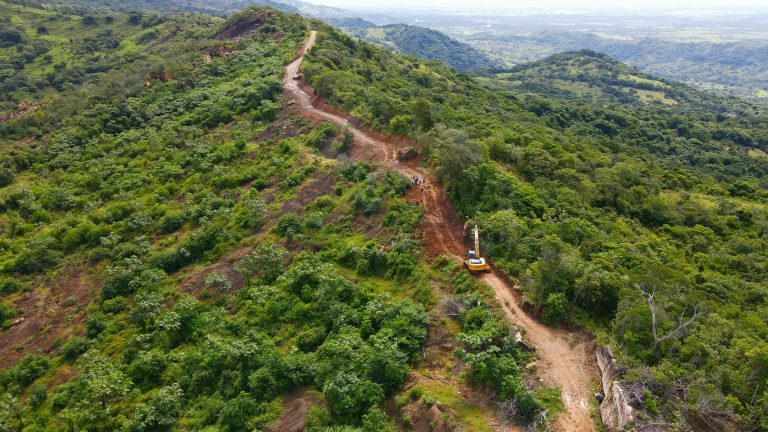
[[160, 413], [148, 307], [101, 379], [347, 140], [454, 153], [350, 396], [266, 260], [682, 324], [253, 213], [422, 112], [217, 281], [289, 226], [236, 413]]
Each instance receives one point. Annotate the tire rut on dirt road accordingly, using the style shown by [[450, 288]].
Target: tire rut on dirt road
[[563, 358]]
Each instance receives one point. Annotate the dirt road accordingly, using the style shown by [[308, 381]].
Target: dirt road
[[563, 358]]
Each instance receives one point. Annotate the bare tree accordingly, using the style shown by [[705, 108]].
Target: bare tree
[[682, 322]]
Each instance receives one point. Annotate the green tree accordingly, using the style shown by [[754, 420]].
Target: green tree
[[266, 260]]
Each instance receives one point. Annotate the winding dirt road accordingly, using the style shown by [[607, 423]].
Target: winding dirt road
[[563, 358]]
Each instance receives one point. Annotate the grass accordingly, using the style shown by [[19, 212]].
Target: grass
[[654, 96], [641, 80], [472, 414], [551, 398], [757, 153]]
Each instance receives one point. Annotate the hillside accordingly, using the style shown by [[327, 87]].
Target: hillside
[[606, 213], [421, 42], [215, 7], [44, 54], [598, 78], [737, 68], [222, 233], [182, 250]]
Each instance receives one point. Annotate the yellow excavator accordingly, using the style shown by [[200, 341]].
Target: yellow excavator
[[475, 263]]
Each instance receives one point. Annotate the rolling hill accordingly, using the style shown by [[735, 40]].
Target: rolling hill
[[421, 42], [737, 68]]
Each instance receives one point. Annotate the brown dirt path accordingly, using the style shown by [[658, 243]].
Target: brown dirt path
[[563, 358]]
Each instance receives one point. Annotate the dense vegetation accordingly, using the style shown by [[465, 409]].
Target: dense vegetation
[[220, 262], [627, 216], [44, 53], [737, 68], [423, 42]]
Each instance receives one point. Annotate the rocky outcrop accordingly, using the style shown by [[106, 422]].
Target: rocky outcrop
[[407, 153], [615, 411]]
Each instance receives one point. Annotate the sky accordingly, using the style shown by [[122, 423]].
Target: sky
[[550, 4]]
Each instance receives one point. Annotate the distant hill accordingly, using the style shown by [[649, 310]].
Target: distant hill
[[596, 77], [422, 42], [204, 6], [738, 68]]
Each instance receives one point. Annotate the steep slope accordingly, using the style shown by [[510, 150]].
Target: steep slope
[[47, 53]]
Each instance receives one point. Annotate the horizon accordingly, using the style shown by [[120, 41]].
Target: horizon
[[738, 6]]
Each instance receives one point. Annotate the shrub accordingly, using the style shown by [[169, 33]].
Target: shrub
[[555, 308], [289, 226], [115, 305], [75, 347]]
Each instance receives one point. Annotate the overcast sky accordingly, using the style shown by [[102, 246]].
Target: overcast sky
[[551, 4]]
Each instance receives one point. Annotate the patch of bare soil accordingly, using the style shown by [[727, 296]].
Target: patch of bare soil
[[195, 283], [21, 109], [295, 409], [308, 193], [246, 24], [48, 314], [564, 358]]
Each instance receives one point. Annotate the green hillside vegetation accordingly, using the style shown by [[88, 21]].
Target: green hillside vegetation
[[737, 68], [184, 258], [591, 205], [44, 53], [589, 76], [425, 43]]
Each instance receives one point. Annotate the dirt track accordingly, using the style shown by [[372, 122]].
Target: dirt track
[[563, 358]]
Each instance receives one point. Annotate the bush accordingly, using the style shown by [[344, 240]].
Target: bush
[[25, 371], [555, 308], [115, 305], [289, 226], [75, 347], [7, 314], [171, 222], [95, 325], [9, 285], [37, 395], [38, 254]]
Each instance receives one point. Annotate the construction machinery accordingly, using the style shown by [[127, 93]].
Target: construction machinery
[[475, 263]]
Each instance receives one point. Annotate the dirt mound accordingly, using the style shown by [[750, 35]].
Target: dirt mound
[[426, 418], [244, 25]]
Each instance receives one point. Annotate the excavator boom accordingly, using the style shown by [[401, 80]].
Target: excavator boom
[[476, 263]]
